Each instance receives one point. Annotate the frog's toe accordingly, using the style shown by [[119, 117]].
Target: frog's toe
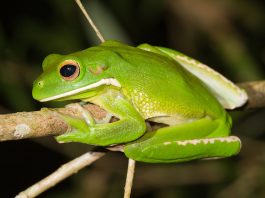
[[71, 137], [86, 115]]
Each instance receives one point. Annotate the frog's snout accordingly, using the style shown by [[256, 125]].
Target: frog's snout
[[37, 89]]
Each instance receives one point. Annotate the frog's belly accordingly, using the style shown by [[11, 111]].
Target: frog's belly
[[171, 120]]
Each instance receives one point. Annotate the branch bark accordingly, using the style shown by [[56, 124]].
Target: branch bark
[[42, 123], [256, 93], [47, 122]]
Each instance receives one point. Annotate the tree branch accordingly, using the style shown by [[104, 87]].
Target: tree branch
[[47, 122], [256, 93], [42, 123]]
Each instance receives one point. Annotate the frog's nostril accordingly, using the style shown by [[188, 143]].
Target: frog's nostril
[[40, 83]]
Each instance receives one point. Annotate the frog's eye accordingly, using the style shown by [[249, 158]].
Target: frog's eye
[[69, 70]]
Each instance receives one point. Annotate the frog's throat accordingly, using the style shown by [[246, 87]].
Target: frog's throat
[[107, 81]]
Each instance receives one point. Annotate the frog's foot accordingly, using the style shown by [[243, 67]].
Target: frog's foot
[[79, 128], [184, 150], [85, 113]]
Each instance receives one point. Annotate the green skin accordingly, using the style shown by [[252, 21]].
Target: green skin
[[153, 86]]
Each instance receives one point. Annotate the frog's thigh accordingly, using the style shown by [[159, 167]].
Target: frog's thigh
[[183, 142]]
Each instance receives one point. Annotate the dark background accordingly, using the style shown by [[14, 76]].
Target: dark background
[[228, 35]]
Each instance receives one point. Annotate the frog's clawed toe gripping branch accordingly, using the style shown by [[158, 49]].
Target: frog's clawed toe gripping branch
[[79, 128], [85, 113]]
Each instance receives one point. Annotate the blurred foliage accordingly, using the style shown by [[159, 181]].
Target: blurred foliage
[[228, 35]]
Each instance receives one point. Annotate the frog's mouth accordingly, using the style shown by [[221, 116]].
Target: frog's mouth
[[107, 81]]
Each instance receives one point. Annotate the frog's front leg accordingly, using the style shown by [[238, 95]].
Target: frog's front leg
[[129, 127], [184, 142]]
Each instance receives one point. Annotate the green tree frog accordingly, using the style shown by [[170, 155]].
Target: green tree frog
[[139, 84]]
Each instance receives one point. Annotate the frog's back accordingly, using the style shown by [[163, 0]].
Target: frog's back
[[158, 86]]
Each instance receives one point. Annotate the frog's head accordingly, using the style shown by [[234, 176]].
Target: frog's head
[[79, 75]]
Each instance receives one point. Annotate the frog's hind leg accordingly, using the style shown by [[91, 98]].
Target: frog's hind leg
[[189, 141]]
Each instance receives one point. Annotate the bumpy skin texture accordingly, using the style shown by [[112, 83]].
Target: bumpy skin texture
[[153, 86]]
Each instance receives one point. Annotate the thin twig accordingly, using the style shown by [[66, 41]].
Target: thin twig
[[129, 178], [60, 174], [90, 20]]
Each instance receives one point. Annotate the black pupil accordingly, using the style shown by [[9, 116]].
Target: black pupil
[[68, 70]]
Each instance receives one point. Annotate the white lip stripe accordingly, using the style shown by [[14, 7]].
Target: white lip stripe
[[107, 81]]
